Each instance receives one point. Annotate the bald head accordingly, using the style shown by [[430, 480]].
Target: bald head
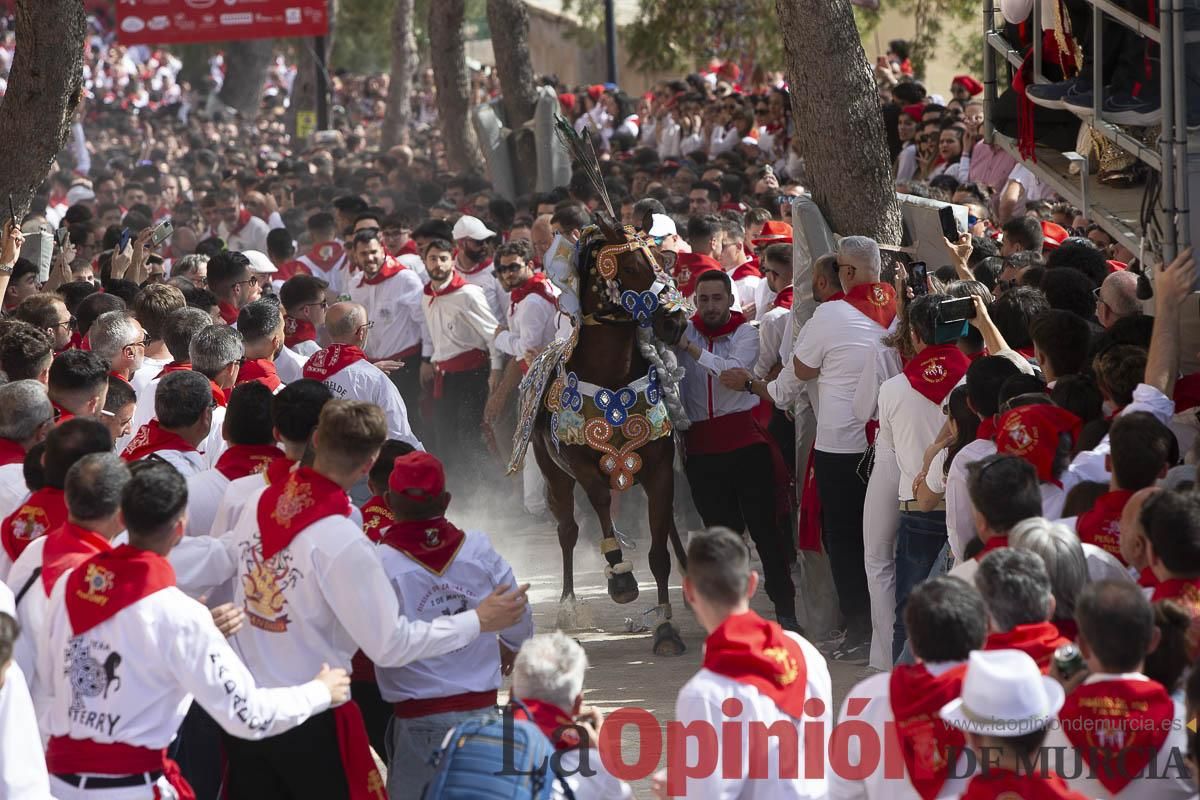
[[345, 322], [1118, 298], [541, 234], [1133, 534]]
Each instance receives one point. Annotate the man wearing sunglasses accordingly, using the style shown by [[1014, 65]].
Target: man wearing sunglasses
[[234, 283], [48, 313]]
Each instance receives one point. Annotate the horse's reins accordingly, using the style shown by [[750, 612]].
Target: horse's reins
[[635, 306]]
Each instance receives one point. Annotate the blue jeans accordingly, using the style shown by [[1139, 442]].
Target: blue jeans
[[919, 541]]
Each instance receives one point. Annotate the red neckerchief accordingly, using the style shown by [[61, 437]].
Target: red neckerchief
[[152, 438], [927, 742], [936, 370], [456, 282], [978, 354], [1031, 433], [218, 394], [261, 370], [994, 543], [1117, 726], [1183, 591], [287, 508], [736, 318], [432, 543], [278, 470], [326, 255], [243, 220], [986, 431], [838, 295], [487, 262], [756, 652], [296, 331], [45, 510], [331, 360], [376, 518], [745, 270], [784, 298], [1147, 579], [539, 284], [66, 548], [108, 582], [61, 415], [240, 460], [409, 248], [290, 269], [121, 377], [1100, 524], [390, 268], [875, 301], [1066, 628], [11, 452], [174, 366], [228, 312], [552, 720], [1038, 640], [1027, 352], [1187, 392], [1001, 784]]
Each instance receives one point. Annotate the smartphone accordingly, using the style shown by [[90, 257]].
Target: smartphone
[[918, 278], [162, 232], [60, 237], [12, 215], [125, 236], [956, 309], [949, 223], [39, 248]]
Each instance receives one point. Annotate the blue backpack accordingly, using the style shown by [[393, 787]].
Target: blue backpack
[[491, 757]]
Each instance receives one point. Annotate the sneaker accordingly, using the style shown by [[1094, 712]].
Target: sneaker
[[830, 645], [790, 624], [858, 652], [1051, 95], [1125, 109], [1078, 103]]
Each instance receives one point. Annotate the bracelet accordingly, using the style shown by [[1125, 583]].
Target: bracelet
[[6, 269]]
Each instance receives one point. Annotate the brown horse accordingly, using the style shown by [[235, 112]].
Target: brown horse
[[614, 263]]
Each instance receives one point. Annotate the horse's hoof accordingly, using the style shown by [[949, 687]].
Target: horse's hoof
[[623, 588], [667, 641], [573, 616]]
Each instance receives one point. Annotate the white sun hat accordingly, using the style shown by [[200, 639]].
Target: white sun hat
[[1004, 694]]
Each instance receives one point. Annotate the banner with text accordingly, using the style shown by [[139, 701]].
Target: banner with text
[[190, 21]]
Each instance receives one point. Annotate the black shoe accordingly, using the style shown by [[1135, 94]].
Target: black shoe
[[854, 652], [1052, 95], [790, 624]]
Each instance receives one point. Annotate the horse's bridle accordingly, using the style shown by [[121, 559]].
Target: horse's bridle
[[639, 306]]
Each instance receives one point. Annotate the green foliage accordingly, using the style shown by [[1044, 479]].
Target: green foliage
[[363, 32]]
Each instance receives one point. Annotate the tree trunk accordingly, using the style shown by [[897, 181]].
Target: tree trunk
[[511, 49], [404, 68], [838, 124], [246, 64], [44, 88], [304, 88], [453, 85]]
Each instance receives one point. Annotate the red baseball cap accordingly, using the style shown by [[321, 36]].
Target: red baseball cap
[[418, 475]]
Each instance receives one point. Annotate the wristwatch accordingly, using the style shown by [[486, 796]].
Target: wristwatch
[[6, 269], [749, 387]]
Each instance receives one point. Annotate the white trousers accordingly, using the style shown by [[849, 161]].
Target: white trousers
[[881, 516], [149, 791]]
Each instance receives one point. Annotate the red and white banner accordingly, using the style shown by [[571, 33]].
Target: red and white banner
[[188, 21]]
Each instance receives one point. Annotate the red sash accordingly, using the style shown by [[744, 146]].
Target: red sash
[[467, 361], [724, 434], [1001, 784], [736, 319], [539, 284], [240, 460], [756, 652], [926, 741], [109, 581], [287, 508], [1038, 640], [784, 298], [1117, 726], [994, 543], [174, 366], [228, 313], [152, 438], [290, 269], [432, 543], [331, 360], [390, 268], [66, 548], [557, 724], [261, 370], [745, 270], [875, 301], [45, 510], [466, 701], [1184, 592], [296, 331], [362, 779], [936, 370], [456, 283], [326, 255], [11, 452], [376, 518], [1100, 524], [66, 756]]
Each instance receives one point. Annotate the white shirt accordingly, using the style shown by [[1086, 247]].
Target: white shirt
[[1089, 464], [333, 598], [186, 462], [703, 395], [31, 613], [335, 276], [747, 293], [459, 321], [205, 490], [772, 322], [143, 408], [160, 652], [475, 572], [289, 364], [600, 786], [13, 491], [700, 699], [532, 324], [839, 340], [1167, 784], [908, 423], [364, 381], [497, 298], [147, 372], [877, 713], [22, 764], [305, 349], [960, 524], [1053, 498], [394, 305], [214, 444], [251, 236]]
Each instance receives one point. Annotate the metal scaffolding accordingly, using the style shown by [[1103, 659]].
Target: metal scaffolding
[[1119, 211]]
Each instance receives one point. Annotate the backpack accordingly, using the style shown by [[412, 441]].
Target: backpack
[[470, 762]]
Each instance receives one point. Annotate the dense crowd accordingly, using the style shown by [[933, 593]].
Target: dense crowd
[[249, 371]]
